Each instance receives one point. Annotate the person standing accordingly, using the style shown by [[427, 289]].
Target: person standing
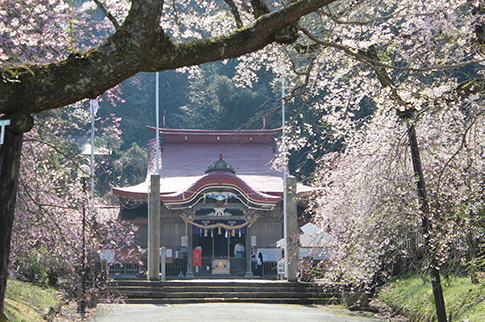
[[239, 250], [257, 259], [281, 268]]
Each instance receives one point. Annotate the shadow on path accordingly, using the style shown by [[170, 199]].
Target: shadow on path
[[235, 312]]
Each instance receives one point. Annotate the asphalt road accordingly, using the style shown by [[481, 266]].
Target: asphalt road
[[227, 312]]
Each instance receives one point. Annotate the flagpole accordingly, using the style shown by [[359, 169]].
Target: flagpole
[[155, 258], [285, 201], [157, 116]]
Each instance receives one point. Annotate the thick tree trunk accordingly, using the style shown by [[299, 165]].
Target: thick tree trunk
[[10, 153], [423, 199]]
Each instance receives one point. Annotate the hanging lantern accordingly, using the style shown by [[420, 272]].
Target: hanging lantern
[[239, 232], [219, 230], [233, 233], [205, 232]]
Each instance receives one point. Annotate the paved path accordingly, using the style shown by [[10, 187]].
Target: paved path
[[227, 312]]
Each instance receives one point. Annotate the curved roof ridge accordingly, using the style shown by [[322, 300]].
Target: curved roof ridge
[[219, 179]]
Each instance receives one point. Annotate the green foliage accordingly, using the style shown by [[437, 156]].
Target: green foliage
[[40, 267], [412, 295], [216, 101], [138, 109], [26, 302], [34, 268], [132, 167]]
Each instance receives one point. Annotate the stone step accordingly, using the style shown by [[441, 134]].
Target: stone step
[[209, 283], [307, 301], [171, 292], [219, 289], [141, 294]]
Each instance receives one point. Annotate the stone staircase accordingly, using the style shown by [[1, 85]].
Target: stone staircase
[[213, 291]]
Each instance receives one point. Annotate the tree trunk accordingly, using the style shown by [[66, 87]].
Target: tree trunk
[[473, 258], [423, 199], [413, 254], [10, 153]]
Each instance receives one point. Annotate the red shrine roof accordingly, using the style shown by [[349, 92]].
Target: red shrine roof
[[214, 181], [186, 154]]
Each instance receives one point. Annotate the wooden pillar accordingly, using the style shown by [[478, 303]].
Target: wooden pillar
[[190, 242], [154, 229], [163, 263], [249, 271], [293, 256]]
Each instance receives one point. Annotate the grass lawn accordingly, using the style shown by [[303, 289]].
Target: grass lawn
[[27, 302], [412, 294]]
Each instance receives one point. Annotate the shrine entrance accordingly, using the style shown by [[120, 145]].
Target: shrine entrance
[[218, 211], [218, 247]]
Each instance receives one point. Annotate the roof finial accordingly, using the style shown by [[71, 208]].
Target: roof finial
[[220, 165]]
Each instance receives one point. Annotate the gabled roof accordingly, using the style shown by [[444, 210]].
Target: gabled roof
[[189, 152], [186, 154]]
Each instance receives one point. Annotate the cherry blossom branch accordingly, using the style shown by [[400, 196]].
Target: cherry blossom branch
[[45, 214], [355, 53], [175, 13], [395, 14], [332, 17], [462, 145], [365, 58], [307, 73], [31, 12]]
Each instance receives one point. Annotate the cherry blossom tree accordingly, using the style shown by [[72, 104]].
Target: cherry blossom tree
[[412, 56], [147, 36], [367, 202], [151, 37], [56, 231], [351, 58]]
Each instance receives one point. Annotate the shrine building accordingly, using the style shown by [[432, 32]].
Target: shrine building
[[217, 189]]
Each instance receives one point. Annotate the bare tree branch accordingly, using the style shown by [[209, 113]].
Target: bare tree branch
[[235, 13], [108, 15]]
